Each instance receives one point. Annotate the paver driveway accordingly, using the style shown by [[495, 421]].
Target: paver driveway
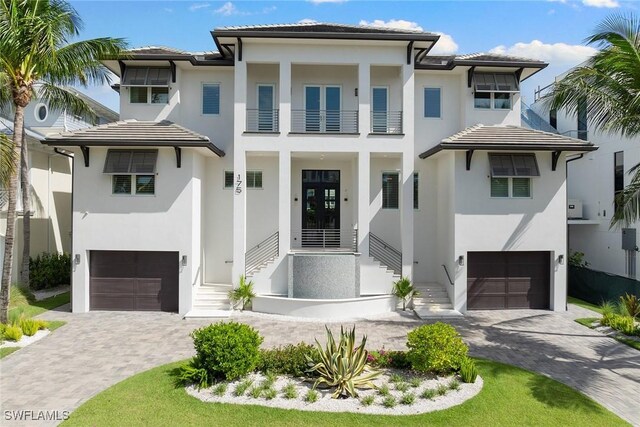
[[96, 350]]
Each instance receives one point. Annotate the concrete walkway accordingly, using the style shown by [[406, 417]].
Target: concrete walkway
[[96, 350]]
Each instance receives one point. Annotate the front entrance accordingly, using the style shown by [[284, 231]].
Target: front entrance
[[321, 208]]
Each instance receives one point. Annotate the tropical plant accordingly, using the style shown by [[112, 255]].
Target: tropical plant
[[286, 360], [37, 52], [243, 294], [7, 161], [194, 372], [607, 85], [576, 259], [342, 365], [404, 290], [632, 304], [468, 370], [311, 396], [29, 326], [436, 348], [12, 333]]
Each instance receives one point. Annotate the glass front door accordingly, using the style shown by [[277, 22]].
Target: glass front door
[[320, 208], [379, 108], [323, 106]]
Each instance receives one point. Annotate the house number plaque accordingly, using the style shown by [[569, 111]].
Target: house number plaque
[[239, 184]]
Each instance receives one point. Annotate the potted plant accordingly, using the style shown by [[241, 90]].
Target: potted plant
[[404, 290]]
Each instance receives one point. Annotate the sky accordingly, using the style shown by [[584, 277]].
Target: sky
[[549, 30]]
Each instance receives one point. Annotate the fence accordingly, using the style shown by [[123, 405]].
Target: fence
[[597, 286]]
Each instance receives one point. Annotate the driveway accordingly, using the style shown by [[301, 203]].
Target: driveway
[[96, 350]]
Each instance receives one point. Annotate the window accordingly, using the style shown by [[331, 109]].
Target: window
[[495, 100], [501, 101], [511, 187], [147, 84], [129, 167], [582, 119], [159, 95], [390, 194], [254, 179], [553, 118], [416, 180], [520, 187], [142, 95], [482, 100], [41, 112], [493, 90], [138, 95], [618, 175], [432, 102], [210, 98], [511, 174]]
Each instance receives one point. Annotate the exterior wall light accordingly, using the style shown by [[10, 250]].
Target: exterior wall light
[[76, 259], [561, 259], [183, 261], [461, 260]]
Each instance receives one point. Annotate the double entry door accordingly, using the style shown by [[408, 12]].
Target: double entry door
[[322, 105], [320, 208]]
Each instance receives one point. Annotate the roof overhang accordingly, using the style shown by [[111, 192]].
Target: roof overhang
[[528, 68], [59, 142], [458, 146]]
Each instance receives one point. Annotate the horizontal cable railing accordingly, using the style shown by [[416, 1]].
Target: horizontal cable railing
[[386, 122], [263, 120], [262, 253], [320, 238], [385, 254], [324, 121]]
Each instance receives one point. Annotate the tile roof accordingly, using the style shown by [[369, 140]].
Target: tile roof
[[132, 133], [451, 60], [508, 137], [321, 27]]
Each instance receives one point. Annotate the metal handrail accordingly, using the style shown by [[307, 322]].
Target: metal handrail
[[389, 122], [447, 273], [385, 254], [320, 237], [259, 120], [261, 254], [324, 121]]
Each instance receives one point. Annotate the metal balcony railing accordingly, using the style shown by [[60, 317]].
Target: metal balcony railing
[[324, 121], [263, 120], [385, 254], [261, 254], [328, 238], [386, 122]]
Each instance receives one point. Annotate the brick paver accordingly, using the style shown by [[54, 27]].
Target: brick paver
[[96, 350]]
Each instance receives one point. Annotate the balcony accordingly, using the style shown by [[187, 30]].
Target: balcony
[[263, 120], [324, 121], [386, 122]]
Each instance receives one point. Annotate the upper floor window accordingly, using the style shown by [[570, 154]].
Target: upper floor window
[[254, 179], [432, 102], [210, 98], [511, 174], [132, 171], [553, 118], [582, 119], [147, 84], [41, 112], [390, 190], [618, 175], [494, 90]]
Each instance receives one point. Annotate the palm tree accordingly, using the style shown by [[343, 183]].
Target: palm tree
[[37, 47], [609, 85]]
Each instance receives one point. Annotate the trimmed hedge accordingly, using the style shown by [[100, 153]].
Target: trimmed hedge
[[49, 270]]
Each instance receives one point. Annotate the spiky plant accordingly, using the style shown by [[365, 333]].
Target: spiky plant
[[404, 290], [342, 365], [243, 294], [631, 304]]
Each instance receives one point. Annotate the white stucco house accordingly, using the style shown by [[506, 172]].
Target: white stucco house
[[322, 161], [49, 175]]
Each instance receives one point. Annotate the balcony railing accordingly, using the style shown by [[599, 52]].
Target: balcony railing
[[386, 122], [329, 238], [324, 121], [263, 120]]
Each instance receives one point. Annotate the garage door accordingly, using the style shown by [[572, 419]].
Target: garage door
[[502, 280], [134, 281]]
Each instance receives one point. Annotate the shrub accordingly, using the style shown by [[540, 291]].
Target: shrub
[[49, 270], [402, 387], [342, 365], [2, 328], [576, 259], [454, 384], [632, 304], [428, 393], [227, 350], [42, 324], [608, 309], [389, 402], [286, 360], [408, 399], [383, 390], [436, 348], [29, 327], [12, 333], [395, 378], [311, 396], [289, 391], [404, 290], [441, 390], [220, 389], [243, 294], [242, 387], [388, 359], [194, 373], [255, 392], [468, 371], [270, 393], [415, 382], [624, 324], [368, 400]]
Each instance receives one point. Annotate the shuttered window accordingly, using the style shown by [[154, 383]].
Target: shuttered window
[[521, 187], [495, 82], [121, 184], [254, 179], [138, 95], [508, 165], [511, 187], [499, 187], [228, 179], [432, 102], [390, 190], [159, 95], [210, 98], [130, 161], [146, 76], [416, 179], [145, 184]]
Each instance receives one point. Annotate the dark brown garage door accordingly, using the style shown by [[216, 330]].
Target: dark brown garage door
[[134, 281], [501, 280]]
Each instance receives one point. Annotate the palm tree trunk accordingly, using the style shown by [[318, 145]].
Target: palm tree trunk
[[26, 209], [18, 126]]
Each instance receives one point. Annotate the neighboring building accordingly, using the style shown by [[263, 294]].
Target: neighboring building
[[323, 161], [50, 177], [593, 183]]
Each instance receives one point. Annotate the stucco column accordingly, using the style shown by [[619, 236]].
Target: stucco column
[[284, 202], [285, 97], [364, 203], [364, 95], [408, 159], [239, 171]]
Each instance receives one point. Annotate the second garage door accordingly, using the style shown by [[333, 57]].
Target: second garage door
[[503, 280], [127, 280]]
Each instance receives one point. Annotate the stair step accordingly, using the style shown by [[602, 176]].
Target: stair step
[[211, 307], [425, 301], [205, 291], [437, 313], [204, 298], [195, 313], [221, 286]]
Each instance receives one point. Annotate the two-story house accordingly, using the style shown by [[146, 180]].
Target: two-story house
[[323, 162]]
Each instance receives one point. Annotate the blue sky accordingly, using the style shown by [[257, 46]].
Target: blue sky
[[551, 30]]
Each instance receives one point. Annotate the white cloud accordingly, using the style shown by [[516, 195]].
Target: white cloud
[[400, 24], [227, 9], [197, 6], [307, 21], [269, 9], [551, 12], [168, 10], [555, 53], [601, 3], [326, 1], [445, 45]]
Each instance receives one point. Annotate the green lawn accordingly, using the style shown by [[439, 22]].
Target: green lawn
[[5, 351], [584, 304], [511, 396]]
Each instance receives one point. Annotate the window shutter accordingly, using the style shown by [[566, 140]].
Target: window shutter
[[146, 76], [501, 165], [525, 165], [158, 77], [210, 99], [390, 195], [117, 162], [507, 165], [495, 82], [130, 162], [135, 76], [432, 102], [143, 162]]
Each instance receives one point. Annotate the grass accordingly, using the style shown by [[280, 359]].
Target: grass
[[588, 321], [5, 351], [511, 396], [584, 304]]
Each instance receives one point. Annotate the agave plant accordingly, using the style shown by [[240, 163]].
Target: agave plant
[[342, 365], [243, 294], [404, 290]]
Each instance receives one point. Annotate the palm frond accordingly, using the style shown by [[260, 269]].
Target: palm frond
[[7, 160], [60, 99]]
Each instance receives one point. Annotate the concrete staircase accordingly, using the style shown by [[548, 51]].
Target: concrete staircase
[[433, 302], [211, 300], [378, 277]]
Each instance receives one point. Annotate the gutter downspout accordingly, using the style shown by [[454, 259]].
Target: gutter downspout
[[73, 179], [566, 171]]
